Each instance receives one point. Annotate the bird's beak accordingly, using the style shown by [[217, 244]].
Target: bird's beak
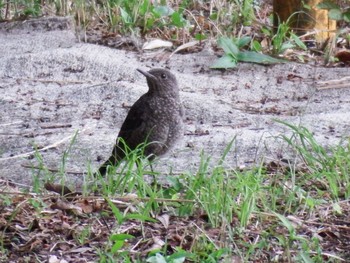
[[146, 74]]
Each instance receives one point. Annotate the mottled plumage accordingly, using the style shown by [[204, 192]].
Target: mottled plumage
[[156, 117]]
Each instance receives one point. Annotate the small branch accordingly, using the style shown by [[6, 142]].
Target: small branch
[[23, 155], [55, 126], [50, 169], [334, 84]]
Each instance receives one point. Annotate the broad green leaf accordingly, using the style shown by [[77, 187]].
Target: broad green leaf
[[256, 46], [117, 245], [200, 36], [227, 61], [254, 57], [214, 16], [327, 5], [243, 41], [335, 14], [266, 31], [178, 260], [158, 258], [228, 46], [346, 16], [179, 257], [178, 20]]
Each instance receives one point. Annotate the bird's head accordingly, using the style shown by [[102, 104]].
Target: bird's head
[[161, 81]]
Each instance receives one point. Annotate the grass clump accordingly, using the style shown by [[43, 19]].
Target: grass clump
[[176, 21], [119, 23], [327, 169], [265, 213]]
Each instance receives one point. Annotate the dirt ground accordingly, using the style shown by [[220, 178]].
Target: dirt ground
[[52, 85]]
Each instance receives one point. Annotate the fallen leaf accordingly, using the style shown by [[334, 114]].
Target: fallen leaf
[[156, 43]]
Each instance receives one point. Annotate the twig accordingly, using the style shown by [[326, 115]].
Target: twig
[[53, 81], [54, 145], [50, 169], [63, 82], [11, 123], [55, 126], [334, 84]]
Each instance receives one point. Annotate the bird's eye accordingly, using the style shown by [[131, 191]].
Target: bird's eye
[[163, 76]]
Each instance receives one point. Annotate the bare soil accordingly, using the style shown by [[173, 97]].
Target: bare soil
[[52, 86]]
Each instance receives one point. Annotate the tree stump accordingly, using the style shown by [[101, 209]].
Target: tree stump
[[304, 16]]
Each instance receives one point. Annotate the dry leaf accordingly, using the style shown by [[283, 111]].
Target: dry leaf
[[164, 219], [156, 43], [185, 46]]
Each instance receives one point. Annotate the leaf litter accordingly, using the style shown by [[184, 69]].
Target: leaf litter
[[52, 227]]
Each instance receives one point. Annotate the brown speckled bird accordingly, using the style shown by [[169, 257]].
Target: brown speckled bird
[[156, 118]]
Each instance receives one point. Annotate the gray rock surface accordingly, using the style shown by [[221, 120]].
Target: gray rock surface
[[52, 86]]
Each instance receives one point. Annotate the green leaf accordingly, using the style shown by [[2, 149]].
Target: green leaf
[[298, 41], [200, 36], [125, 16], [338, 209], [335, 14], [213, 16], [116, 237], [150, 23], [286, 222], [346, 16], [327, 5], [306, 257], [225, 62], [118, 241], [117, 245], [145, 7], [305, 6], [266, 31], [178, 20], [163, 10], [117, 214], [228, 46], [158, 258], [179, 257], [243, 41], [254, 57], [286, 45], [256, 46], [113, 3]]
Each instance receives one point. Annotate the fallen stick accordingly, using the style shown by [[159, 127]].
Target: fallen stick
[[22, 155], [49, 169]]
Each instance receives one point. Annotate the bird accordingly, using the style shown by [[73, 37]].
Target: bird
[[156, 119]]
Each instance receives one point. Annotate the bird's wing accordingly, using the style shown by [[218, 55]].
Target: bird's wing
[[132, 130]]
